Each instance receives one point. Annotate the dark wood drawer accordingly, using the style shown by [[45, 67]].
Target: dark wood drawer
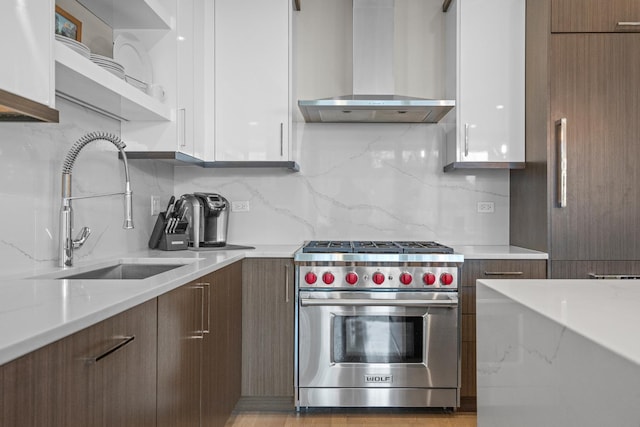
[[594, 16]]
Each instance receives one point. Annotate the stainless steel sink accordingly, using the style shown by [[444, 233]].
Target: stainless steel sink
[[119, 271], [124, 272]]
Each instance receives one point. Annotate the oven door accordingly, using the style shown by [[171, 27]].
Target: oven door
[[378, 339]]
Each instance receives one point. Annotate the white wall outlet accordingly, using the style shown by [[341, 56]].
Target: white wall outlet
[[155, 205], [486, 207], [240, 206]]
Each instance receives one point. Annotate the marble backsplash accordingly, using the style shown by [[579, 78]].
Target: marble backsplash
[[31, 157], [360, 182], [357, 181]]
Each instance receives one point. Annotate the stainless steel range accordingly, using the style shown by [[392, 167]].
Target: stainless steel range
[[377, 325]]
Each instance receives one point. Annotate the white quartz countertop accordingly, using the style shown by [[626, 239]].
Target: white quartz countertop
[[37, 312], [498, 252], [603, 311]]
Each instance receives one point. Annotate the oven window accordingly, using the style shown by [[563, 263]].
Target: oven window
[[377, 339]]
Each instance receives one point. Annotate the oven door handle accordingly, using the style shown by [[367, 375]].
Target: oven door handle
[[451, 302]]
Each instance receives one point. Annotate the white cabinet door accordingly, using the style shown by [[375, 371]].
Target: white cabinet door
[[252, 63], [185, 82], [490, 81], [26, 47]]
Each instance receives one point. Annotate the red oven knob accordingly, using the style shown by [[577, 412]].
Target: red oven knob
[[429, 279], [351, 278], [406, 279], [378, 278], [446, 279], [328, 278], [310, 278]]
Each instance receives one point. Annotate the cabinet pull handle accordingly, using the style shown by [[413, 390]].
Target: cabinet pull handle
[[613, 276], [207, 288], [561, 162], [182, 123], [466, 139], [286, 283], [503, 273], [628, 24], [281, 139], [124, 340]]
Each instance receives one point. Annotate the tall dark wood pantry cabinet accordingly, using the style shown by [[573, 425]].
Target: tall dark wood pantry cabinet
[[578, 198]]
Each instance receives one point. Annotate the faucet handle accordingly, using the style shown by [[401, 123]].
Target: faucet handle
[[82, 237]]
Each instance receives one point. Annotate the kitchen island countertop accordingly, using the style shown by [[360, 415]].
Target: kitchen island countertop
[[558, 352]]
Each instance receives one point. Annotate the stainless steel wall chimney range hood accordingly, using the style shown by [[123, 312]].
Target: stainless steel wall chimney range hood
[[373, 100], [15, 108]]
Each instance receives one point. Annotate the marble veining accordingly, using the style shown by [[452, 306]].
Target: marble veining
[[557, 353], [31, 157], [361, 182]]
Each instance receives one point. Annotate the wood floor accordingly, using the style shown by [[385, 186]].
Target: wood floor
[[351, 419]]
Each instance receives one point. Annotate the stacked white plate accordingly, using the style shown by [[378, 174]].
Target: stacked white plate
[[108, 64], [82, 49]]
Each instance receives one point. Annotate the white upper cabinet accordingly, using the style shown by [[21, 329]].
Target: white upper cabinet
[[26, 46], [486, 48], [252, 80]]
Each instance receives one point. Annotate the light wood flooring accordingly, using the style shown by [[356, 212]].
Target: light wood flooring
[[353, 419]]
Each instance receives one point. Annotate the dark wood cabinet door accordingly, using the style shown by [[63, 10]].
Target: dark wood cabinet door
[[473, 270], [88, 378], [267, 325], [595, 86], [222, 346], [593, 16], [180, 322], [129, 383]]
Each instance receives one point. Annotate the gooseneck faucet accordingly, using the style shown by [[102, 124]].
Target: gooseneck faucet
[[67, 243]]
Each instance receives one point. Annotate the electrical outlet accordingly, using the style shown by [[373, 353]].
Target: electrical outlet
[[240, 206], [155, 205], [486, 207]]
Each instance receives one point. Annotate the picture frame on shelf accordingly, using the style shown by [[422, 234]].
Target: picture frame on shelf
[[68, 25]]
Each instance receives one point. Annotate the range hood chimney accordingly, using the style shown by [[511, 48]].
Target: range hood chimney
[[374, 100], [15, 108]]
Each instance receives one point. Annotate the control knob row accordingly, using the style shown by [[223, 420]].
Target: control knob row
[[378, 278]]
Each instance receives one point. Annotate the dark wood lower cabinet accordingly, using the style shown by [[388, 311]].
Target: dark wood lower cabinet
[[473, 270], [267, 343], [77, 381], [222, 347], [180, 334], [182, 368], [199, 350]]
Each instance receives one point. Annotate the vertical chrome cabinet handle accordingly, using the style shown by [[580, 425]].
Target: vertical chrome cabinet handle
[[466, 139], [123, 341], [561, 162], [286, 283], [207, 311], [182, 125], [200, 332], [281, 139]]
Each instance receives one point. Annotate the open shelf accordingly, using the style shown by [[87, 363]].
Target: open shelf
[[80, 80], [483, 165], [130, 14]]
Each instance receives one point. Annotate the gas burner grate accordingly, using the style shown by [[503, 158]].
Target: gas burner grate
[[328, 246], [424, 248], [376, 247]]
